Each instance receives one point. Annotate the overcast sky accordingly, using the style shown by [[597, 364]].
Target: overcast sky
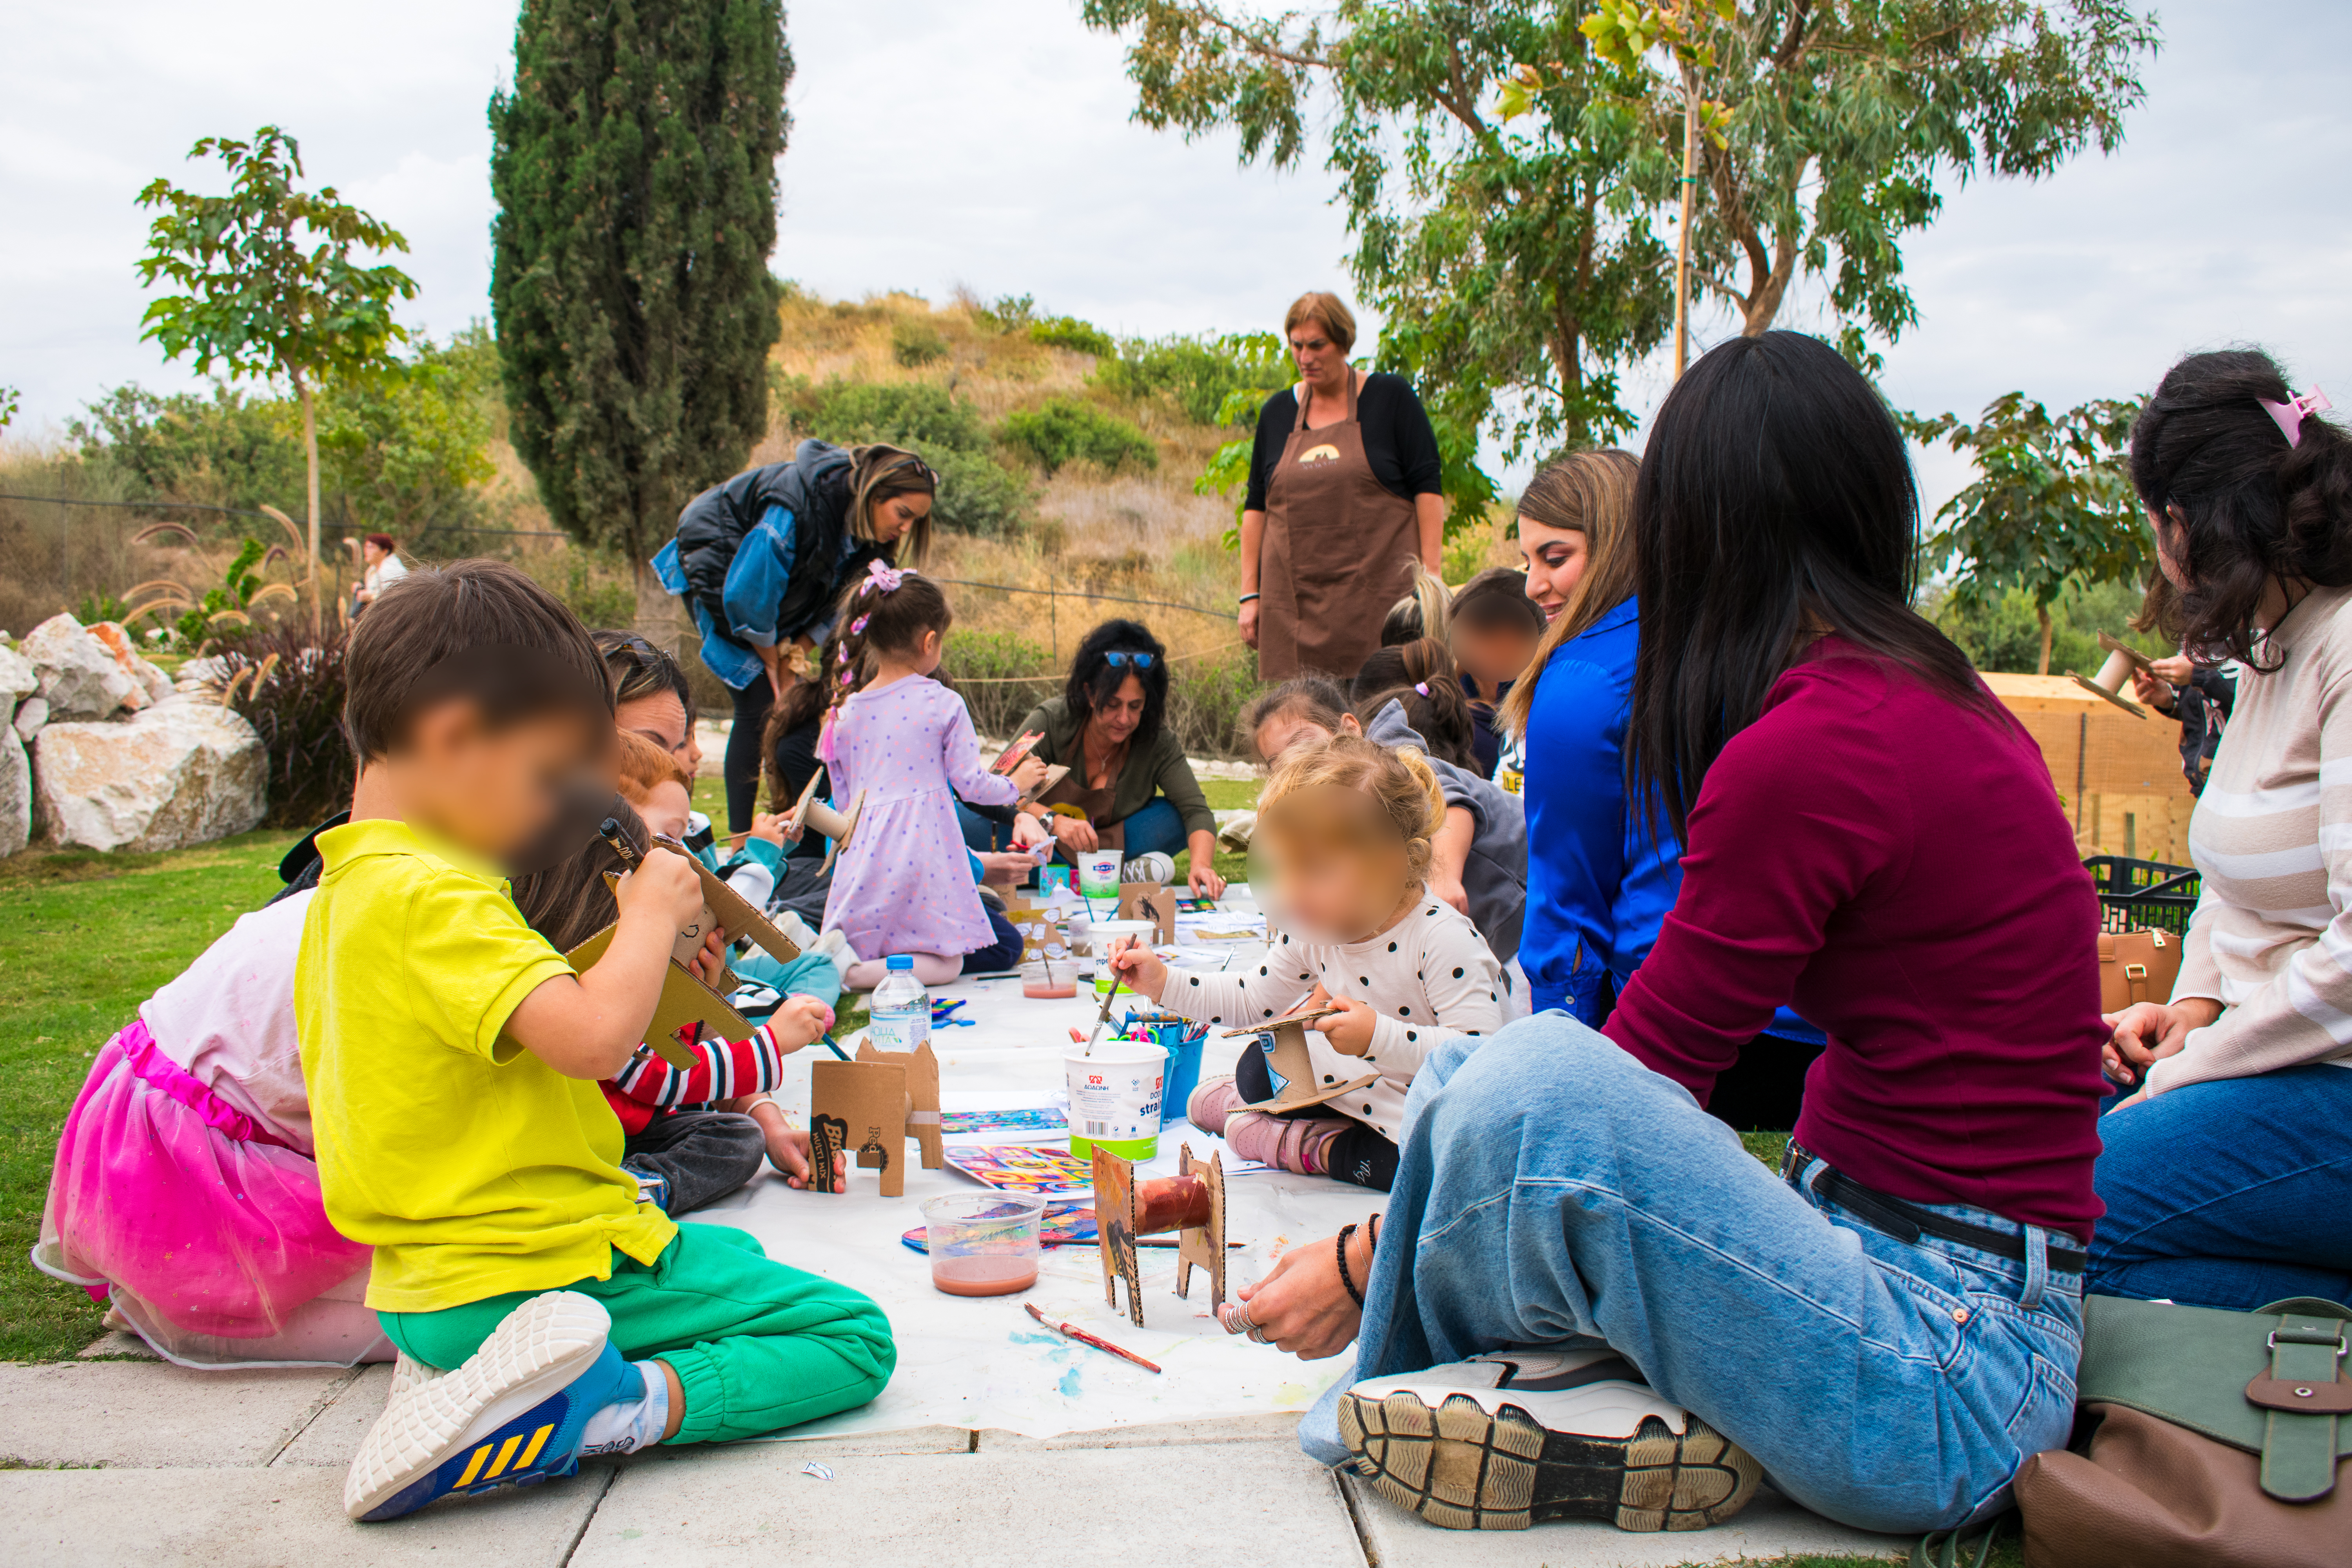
[[993, 135]]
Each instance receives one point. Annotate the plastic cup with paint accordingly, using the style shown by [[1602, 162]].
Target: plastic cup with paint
[[1049, 977], [1115, 1098], [1099, 872], [982, 1244]]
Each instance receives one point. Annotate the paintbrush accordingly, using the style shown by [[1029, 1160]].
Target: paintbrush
[[1102, 1019], [1084, 1338]]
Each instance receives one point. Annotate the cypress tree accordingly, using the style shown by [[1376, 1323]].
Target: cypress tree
[[634, 163]]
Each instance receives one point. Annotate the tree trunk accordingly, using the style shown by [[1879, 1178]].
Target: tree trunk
[[1681, 240], [310, 497], [2043, 611]]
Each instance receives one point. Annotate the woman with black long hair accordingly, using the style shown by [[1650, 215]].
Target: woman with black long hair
[[1890, 1327]]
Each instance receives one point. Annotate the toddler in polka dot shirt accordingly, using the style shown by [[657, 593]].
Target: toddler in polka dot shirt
[[1340, 860]]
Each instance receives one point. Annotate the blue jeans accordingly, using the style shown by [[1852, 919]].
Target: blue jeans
[[1156, 826], [2231, 1194], [1553, 1191]]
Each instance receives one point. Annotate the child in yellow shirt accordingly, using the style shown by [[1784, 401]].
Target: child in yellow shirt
[[453, 1057]]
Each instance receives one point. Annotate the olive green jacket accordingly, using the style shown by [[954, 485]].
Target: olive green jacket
[[1157, 768]]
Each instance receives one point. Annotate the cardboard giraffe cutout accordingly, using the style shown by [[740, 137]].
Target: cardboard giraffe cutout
[[839, 826], [858, 1108]]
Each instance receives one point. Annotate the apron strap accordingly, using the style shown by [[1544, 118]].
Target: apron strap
[[1307, 400]]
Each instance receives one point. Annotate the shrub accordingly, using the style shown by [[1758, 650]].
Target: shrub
[[1206, 697], [596, 583], [1000, 674], [1069, 332], [1199, 374], [978, 494], [289, 684], [916, 344], [1008, 313], [1065, 430], [853, 411]]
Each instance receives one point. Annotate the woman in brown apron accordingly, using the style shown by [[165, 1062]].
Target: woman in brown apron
[[1344, 497]]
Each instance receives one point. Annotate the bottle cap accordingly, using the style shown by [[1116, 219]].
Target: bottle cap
[[901, 961]]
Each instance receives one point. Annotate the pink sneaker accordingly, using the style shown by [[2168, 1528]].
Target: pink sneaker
[[1297, 1145], [1210, 1102]]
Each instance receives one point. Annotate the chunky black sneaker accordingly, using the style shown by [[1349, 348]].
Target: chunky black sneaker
[[1516, 1437]]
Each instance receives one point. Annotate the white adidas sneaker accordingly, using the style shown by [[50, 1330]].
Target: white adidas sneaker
[[512, 1415], [1515, 1437]]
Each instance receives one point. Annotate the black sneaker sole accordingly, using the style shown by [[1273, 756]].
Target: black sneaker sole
[[1463, 1469]]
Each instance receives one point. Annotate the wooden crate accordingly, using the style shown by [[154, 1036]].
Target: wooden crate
[[2119, 776]]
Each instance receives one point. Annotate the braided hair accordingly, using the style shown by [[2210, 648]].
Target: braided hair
[[884, 612]]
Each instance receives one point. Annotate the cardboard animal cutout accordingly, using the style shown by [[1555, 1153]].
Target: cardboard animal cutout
[[1291, 1069], [2114, 675], [864, 1106], [922, 1097], [837, 826], [1191, 1203], [688, 1012]]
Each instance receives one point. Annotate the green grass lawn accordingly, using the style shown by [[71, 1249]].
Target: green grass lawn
[[90, 937]]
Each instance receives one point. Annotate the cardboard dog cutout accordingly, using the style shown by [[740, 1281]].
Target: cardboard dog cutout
[[1191, 1203], [838, 826], [860, 1108]]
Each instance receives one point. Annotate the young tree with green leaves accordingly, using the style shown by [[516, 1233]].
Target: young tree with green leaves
[[2052, 510], [1829, 124], [271, 287], [633, 163]]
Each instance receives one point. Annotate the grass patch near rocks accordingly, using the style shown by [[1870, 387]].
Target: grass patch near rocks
[[88, 937]]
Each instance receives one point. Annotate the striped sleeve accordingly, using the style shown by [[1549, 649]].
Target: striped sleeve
[[726, 1068], [2298, 1010]]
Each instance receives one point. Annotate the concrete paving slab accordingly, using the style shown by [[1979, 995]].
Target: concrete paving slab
[[1260, 1427], [117, 1342], [275, 1519], [1140, 1508], [333, 1435], [906, 1440], [155, 1416], [1769, 1527]]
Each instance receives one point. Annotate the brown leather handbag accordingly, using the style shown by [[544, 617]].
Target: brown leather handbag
[[2136, 966], [2204, 1439]]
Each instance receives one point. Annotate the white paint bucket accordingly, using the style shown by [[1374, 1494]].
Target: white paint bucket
[[1114, 1098]]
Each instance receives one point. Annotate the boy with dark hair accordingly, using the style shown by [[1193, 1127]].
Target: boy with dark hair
[[453, 1059]]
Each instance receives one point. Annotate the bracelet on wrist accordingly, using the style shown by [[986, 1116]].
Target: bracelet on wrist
[[1246, 598], [1340, 1246]]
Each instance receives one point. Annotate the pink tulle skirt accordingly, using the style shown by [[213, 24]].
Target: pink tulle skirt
[[200, 1225]]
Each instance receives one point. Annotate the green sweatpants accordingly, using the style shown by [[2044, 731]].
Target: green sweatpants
[[756, 1345]]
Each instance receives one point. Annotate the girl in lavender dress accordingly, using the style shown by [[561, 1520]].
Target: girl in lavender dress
[[904, 883]]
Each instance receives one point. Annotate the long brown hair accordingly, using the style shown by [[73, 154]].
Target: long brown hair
[[880, 472], [1591, 493]]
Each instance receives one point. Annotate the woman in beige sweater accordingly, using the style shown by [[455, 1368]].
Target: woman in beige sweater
[[2228, 1170]]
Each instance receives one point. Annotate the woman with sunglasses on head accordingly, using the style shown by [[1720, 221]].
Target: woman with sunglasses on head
[[762, 560], [1586, 1297], [1129, 787]]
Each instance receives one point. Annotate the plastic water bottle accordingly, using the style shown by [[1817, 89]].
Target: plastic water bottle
[[901, 1007]]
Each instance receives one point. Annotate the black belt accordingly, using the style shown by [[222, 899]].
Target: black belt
[[1906, 1221]]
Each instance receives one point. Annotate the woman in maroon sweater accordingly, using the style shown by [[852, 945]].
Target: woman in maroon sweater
[[1890, 1326]]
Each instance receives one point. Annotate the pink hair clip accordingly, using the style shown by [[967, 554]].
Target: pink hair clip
[[857, 629], [2291, 414], [881, 575], [1422, 687]]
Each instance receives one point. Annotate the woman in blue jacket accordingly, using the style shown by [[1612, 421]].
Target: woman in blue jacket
[[763, 559], [1599, 881]]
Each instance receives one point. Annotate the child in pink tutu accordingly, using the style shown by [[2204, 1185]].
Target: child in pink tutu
[[904, 882], [184, 1190]]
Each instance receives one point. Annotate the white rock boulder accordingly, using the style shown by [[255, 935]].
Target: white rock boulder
[[18, 679], [180, 772], [79, 675], [153, 684], [31, 714], [15, 794]]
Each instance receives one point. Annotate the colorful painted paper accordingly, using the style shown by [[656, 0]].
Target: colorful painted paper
[[1028, 1119], [1019, 1168]]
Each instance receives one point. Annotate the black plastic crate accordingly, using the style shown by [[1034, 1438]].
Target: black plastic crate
[[2138, 894]]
